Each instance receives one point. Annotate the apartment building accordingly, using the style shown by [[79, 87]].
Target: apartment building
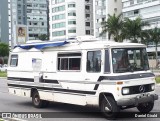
[[148, 10], [32, 13], [102, 9], [70, 18], [37, 18], [4, 32], [0, 24]]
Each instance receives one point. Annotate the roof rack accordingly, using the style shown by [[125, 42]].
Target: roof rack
[[81, 39], [38, 44]]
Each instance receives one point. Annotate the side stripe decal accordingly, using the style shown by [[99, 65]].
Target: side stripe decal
[[20, 79], [123, 77], [32, 80], [55, 89]]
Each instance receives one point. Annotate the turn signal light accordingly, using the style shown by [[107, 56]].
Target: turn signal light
[[119, 83]]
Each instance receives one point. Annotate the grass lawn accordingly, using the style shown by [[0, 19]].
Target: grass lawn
[[158, 79], [3, 74]]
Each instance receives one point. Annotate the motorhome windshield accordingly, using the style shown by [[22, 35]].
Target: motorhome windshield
[[129, 60]]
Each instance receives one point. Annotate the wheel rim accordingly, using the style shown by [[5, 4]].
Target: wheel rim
[[36, 100], [108, 109]]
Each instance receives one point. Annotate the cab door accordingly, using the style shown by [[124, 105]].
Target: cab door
[[93, 68]]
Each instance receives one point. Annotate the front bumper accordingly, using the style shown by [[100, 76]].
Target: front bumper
[[137, 100]]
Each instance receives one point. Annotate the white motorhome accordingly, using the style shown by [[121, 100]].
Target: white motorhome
[[84, 72]]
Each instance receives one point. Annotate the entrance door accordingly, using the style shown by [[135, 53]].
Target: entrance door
[[93, 69], [36, 65]]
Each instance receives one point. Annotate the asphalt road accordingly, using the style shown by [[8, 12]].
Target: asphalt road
[[11, 103]]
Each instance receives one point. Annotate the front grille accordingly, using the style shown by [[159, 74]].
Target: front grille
[[136, 89]]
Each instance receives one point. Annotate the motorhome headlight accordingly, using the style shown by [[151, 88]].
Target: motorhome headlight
[[125, 91], [153, 87]]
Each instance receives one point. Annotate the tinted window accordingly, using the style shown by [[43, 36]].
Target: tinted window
[[129, 59], [94, 61], [69, 61], [14, 60]]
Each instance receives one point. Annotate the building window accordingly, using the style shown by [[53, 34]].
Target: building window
[[87, 7], [59, 33], [57, 1], [87, 15], [72, 14], [103, 19], [87, 23], [58, 25], [70, 22], [94, 61], [58, 9], [87, 1], [69, 61], [136, 12], [58, 17], [115, 9], [71, 5], [72, 31], [35, 23], [88, 32], [14, 61], [132, 2]]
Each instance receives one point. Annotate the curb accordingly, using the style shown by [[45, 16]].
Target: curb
[[3, 77], [158, 84]]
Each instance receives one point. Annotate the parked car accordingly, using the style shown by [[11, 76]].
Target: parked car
[[3, 68]]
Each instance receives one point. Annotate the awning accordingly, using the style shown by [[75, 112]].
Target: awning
[[42, 45]]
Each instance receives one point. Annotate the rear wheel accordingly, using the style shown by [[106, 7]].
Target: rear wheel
[[109, 107], [145, 107], [37, 102]]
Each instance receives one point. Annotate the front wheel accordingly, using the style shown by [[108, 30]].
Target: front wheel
[[109, 107], [145, 107], [37, 102]]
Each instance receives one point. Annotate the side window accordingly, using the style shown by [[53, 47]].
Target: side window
[[107, 62], [94, 61], [69, 61], [14, 61]]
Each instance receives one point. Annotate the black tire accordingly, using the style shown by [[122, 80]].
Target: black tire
[[108, 102], [37, 102], [145, 107]]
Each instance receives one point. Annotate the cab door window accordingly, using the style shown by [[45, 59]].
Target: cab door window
[[94, 61]]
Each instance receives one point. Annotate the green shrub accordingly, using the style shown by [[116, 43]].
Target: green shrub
[[158, 79]]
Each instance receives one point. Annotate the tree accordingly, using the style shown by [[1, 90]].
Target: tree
[[132, 29], [43, 37], [4, 49], [145, 37], [113, 26], [154, 36]]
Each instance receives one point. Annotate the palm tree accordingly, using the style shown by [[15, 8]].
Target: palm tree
[[132, 29], [154, 35], [145, 37], [113, 26]]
